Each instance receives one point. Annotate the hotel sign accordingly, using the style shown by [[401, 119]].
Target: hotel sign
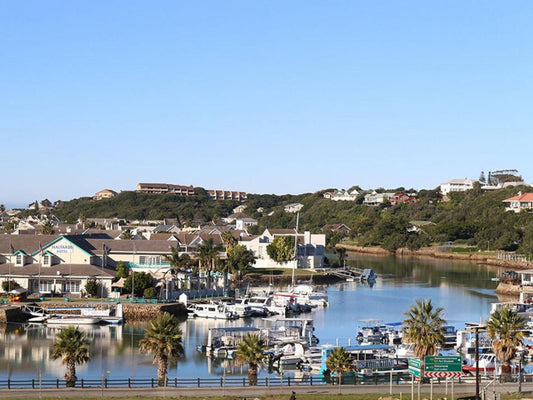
[[62, 248]]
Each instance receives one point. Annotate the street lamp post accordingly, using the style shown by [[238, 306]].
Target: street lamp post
[[476, 330]]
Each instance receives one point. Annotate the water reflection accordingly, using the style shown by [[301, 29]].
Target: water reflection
[[465, 291]]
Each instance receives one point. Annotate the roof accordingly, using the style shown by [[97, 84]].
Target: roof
[[27, 243], [73, 270], [281, 231], [461, 181], [523, 197]]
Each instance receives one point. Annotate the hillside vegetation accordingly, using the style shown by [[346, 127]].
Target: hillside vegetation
[[474, 218]]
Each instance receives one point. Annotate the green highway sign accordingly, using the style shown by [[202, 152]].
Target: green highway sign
[[415, 366], [443, 363]]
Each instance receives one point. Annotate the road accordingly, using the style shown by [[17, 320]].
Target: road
[[463, 389]]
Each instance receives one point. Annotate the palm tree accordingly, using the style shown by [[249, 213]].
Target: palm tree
[[177, 261], [208, 253], [71, 345], [228, 239], [164, 339], [506, 328], [339, 361], [423, 328], [251, 350]]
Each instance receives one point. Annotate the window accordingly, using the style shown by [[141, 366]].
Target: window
[[46, 286], [46, 260], [19, 259], [71, 286], [149, 260]]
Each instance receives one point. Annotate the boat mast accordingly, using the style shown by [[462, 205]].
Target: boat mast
[[295, 247]]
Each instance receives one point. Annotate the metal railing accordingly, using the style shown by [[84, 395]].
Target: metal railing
[[226, 381]]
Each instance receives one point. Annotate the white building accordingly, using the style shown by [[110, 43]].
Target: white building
[[311, 249], [375, 199], [293, 207], [520, 202], [342, 195], [457, 185]]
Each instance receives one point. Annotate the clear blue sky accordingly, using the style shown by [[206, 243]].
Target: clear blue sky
[[261, 96]]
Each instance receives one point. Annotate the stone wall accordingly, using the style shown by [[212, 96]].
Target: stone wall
[[132, 311], [9, 313]]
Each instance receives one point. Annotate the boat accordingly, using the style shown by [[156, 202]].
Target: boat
[[371, 332], [450, 336], [368, 275], [290, 330], [240, 307], [307, 294], [222, 342], [466, 342], [368, 359], [290, 302], [487, 362], [211, 310], [73, 320], [288, 355]]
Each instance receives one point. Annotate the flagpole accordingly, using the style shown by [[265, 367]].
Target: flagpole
[[102, 277]]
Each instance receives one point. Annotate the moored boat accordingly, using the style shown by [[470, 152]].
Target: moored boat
[[211, 310]]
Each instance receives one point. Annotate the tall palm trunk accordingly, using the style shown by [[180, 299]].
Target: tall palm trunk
[[162, 367], [252, 374], [70, 374]]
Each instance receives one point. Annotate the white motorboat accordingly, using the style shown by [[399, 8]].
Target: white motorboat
[[212, 310], [308, 295], [73, 320]]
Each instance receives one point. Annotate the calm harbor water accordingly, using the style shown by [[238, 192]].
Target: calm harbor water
[[465, 291]]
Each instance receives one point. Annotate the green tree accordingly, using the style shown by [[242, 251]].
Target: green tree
[[92, 286], [240, 260], [150, 293], [251, 350], [339, 361], [341, 253], [72, 346], [423, 328], [281, 249], [47, 228], [164, 339], [142, 281], [123, 271], [9, 285], [506, 328]]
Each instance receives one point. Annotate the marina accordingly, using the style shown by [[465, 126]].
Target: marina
[[465, 291]]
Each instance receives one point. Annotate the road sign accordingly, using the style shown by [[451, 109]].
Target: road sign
[[415, 366], [432, 374], [443, 366]]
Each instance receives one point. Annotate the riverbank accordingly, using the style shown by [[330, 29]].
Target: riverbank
[[436, 253]]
